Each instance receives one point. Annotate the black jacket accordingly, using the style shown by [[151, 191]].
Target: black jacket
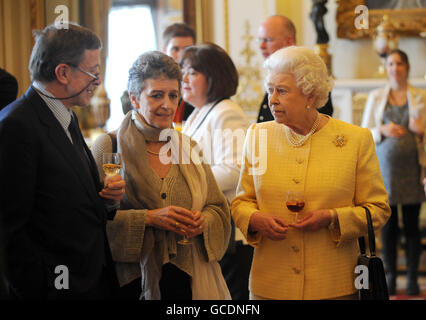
[[50, 209], [8, 88]]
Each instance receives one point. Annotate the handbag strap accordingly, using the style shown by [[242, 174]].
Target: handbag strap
[[371, 236], [361, 243]]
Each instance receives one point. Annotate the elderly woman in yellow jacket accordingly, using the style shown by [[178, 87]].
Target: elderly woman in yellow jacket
[[331, 162]]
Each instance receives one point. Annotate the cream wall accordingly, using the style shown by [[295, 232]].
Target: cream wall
[[230, 22], [350, 58]]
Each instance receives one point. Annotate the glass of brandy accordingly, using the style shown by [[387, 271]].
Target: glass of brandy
[[295, 202], [111, 164]]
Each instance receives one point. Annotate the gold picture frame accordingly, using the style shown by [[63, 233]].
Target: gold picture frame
[[408, 22]]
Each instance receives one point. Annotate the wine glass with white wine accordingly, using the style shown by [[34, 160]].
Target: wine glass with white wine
[[111, 164]]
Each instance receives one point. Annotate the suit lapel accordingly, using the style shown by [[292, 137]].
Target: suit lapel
[[59, 138]]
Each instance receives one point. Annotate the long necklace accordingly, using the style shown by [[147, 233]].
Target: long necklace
[[156, 153], [297, 140]]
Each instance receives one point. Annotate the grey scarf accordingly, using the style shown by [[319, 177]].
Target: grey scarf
[[159, 246]]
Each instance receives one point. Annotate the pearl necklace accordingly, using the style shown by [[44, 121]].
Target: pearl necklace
[[298, 140]]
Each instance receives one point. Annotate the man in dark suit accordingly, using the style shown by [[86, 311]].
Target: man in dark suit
[[8, 88], [275, 33], [53, 208]]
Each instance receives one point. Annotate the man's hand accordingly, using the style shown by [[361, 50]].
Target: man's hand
[[114, 188]]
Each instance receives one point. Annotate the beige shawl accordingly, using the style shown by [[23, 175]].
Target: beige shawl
[[159, 246]]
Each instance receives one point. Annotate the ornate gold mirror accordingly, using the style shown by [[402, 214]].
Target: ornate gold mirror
[[408, 17]]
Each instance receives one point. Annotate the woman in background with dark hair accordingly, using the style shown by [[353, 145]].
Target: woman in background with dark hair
[[209, 80], [395, 116]]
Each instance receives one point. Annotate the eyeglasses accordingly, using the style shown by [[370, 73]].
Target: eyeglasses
[[267, 40], [95, 78], [91, 75]]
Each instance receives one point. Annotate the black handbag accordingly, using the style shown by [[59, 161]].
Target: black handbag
[[377, 287]]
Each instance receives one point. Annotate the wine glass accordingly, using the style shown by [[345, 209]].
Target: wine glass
[[295, 202], [111, 164], [185, 241]]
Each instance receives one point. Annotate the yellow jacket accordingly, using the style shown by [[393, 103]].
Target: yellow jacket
[[309, 265]]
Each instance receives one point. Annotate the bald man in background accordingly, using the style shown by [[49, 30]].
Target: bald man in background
[[275, 33]]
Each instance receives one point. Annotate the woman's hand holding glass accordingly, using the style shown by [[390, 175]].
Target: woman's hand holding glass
[[197, 227], [177, 219], [269, 226], [314, 220]]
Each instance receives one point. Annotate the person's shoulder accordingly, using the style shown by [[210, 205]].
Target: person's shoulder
[[6, 77], [267, 125], [343, 127], [379, 91], [19, 120], [229, 106], [105, 138], [417, 91], [18, 109], [228, 110]]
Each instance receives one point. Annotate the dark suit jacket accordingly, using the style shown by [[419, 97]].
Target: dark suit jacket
[[8, 88], [50, 209], [265, 113]]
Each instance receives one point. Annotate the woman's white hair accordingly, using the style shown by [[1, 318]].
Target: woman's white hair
[[308, 69]]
